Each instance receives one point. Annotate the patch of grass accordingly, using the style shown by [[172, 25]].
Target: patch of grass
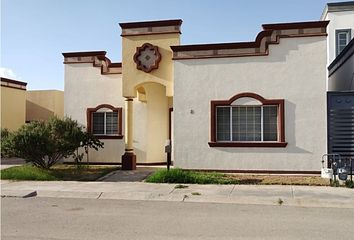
[[280, 201], [182, 176], [281, 180], [193, 177], [27, 172], [179, 186], [58, 172], [196, 193]]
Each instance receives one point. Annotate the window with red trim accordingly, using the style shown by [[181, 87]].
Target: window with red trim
[[247, 120], [105, 121]]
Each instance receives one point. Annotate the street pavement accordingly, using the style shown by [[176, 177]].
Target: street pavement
[[299, 196], [100, 219]]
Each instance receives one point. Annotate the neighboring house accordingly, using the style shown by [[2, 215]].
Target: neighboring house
[[341, 103], [340, 28], [13, 104], [19, 106], [252, 106], [340, 96], [43, 104]]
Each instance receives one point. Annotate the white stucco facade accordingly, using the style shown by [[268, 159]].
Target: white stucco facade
[[284, 66], [86, 87], [294, 70]]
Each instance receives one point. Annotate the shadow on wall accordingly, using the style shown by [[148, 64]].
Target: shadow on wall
[[290, 131], [37, 112]]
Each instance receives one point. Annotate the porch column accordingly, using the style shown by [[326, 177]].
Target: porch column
[[129, 158]]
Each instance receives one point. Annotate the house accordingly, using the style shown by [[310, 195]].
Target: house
[[19, 105], [340, 65], [340, 28], [13, 103], [256, 106], [43, 104]]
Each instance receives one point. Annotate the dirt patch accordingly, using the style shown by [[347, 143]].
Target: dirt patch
[[280, 180]]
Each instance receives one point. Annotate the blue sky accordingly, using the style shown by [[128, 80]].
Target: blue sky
[[34, 33]]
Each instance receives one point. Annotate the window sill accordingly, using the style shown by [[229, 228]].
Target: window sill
[[248, 144], [109, 136]]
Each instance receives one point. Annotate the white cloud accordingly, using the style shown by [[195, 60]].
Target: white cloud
[[8, 73]]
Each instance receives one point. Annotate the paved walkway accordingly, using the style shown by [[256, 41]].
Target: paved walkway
[[240, 194], [137, 175], [11, 162]]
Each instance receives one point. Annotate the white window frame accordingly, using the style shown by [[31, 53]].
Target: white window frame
[[262, 116], [104, 123], [348, 36]]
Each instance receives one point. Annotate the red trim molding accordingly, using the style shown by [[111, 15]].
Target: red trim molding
[[281, 122], [271, 34], [158, 23], [119, 110], [9, 83], [151, 27], [97, 58], [295, 25], [84, 54], [7, 80]]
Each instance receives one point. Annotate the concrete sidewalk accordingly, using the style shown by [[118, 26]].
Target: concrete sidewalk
[[304, 196]]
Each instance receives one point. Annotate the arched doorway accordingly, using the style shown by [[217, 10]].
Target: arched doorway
[[152, 113]]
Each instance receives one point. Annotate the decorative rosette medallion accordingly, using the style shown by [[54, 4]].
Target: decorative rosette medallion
[[147, 57]]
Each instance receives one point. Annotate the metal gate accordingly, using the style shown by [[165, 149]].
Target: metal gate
[[340, 123]]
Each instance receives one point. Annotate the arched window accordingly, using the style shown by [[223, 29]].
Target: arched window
[[105, 121], [247, 120]]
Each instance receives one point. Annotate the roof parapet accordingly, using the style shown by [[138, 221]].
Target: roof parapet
[[270, 35], [151, 27]]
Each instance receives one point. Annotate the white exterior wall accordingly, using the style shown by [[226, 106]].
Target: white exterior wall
[[295, 70], [86, 87], [338, 20]]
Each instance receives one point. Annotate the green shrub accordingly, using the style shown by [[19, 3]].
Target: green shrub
[[7, 148], [183, 176], [349, 184], [46, 143]]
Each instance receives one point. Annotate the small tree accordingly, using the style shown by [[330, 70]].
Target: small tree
[[88, 141], [46, 143]]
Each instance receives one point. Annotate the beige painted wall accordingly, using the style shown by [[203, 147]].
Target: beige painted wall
[[295, 70], [13, 108], [43, 104], [132, 77], [157, 122]]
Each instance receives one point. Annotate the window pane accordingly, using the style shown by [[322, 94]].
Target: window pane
[[236, 124], [342, 39], [270, 123], [111, 123], [246, 123], [98, 123], [223, 124]]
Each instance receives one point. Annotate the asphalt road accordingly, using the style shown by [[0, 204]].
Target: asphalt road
[[59, 218]]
